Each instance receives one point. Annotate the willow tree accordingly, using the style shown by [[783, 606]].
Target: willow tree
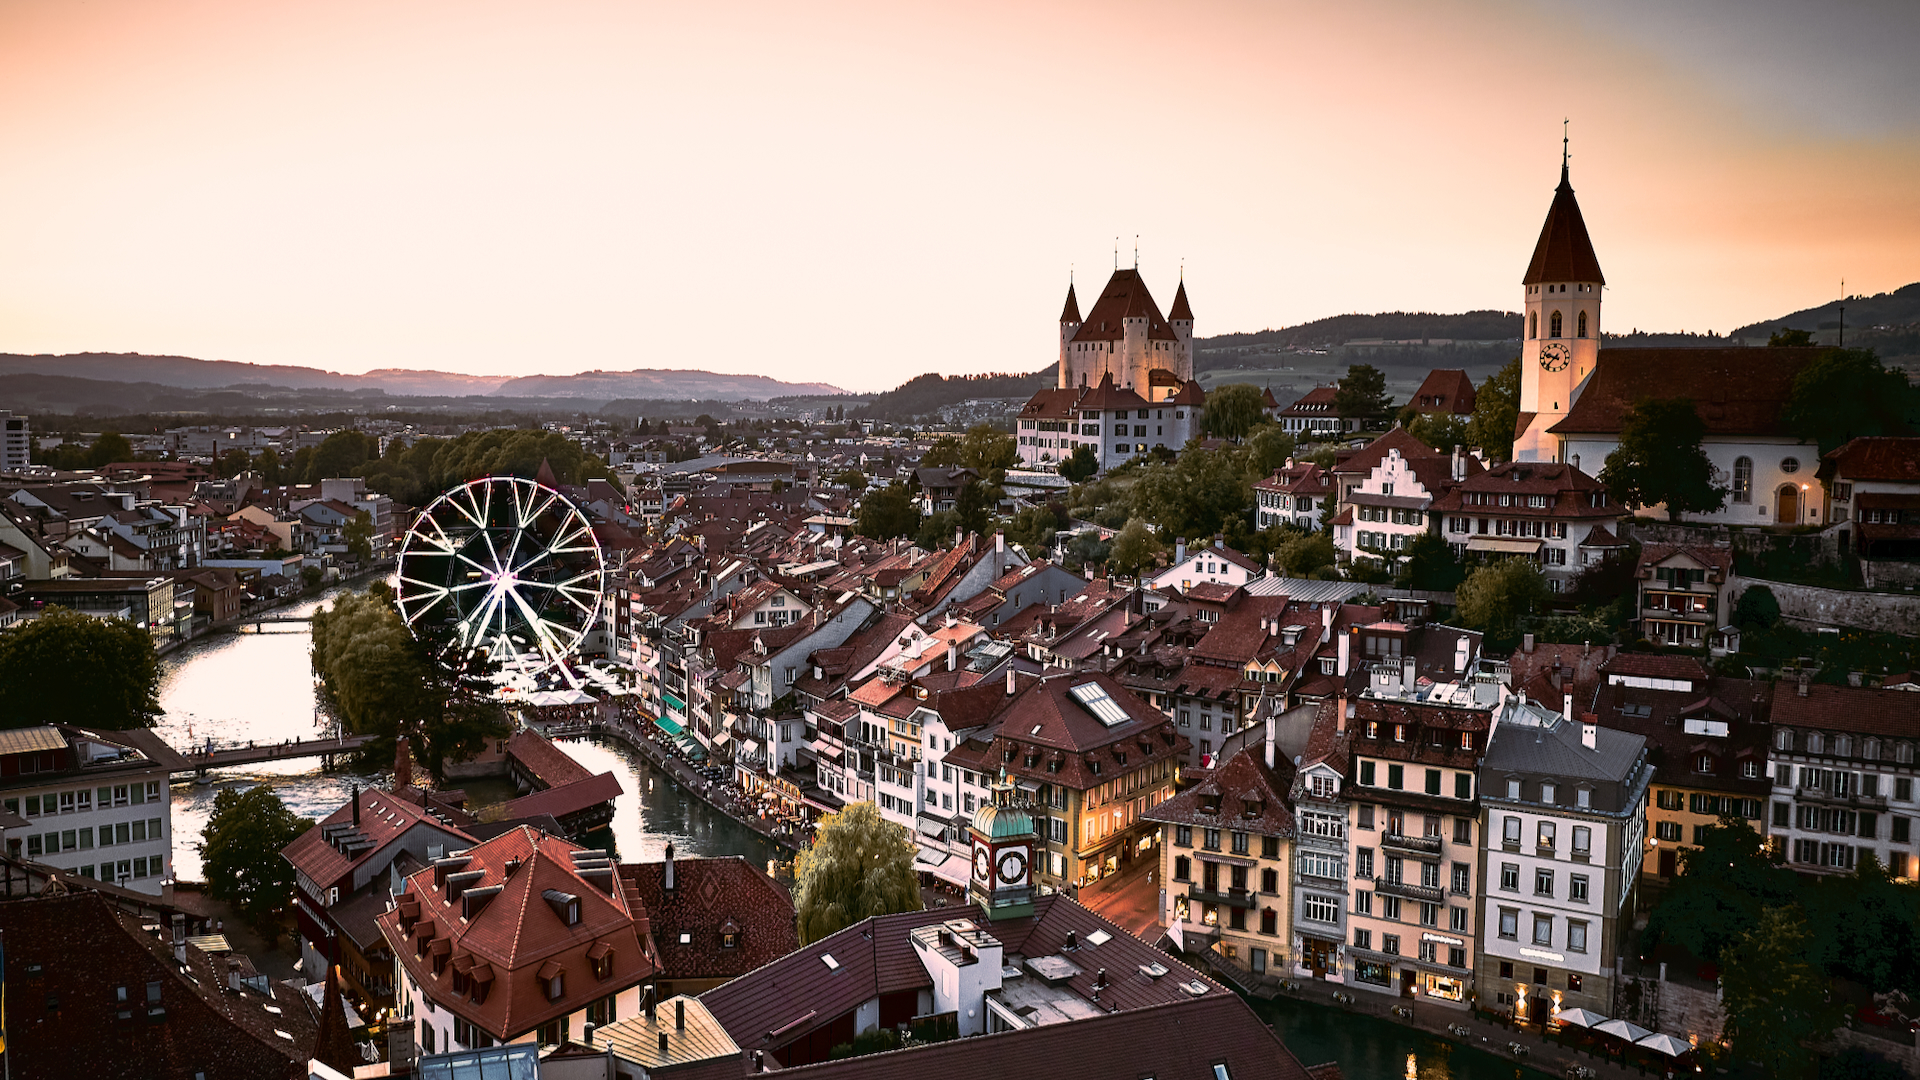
[[860, 866]]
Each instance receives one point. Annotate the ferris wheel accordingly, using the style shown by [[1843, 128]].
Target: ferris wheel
[[503, 569]]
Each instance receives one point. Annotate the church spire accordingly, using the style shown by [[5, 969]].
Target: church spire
[[1070, 313], [1564, 251]]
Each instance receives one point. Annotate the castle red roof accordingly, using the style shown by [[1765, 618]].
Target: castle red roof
[[1070, 313], [1564, 252], [1181, 309], [1125, 297]]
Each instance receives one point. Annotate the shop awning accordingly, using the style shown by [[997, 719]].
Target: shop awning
[[952, 869], [930, 826], [722, 739], [1504, 545], [669, 725]]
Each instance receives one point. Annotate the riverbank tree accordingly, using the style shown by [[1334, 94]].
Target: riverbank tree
[[860, 866], [103, 673], [240, 849], [386, 683]]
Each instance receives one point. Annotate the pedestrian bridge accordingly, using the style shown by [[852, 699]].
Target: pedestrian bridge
[[205, 757]]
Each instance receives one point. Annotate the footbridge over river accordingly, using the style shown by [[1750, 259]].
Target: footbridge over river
[[214, 756]]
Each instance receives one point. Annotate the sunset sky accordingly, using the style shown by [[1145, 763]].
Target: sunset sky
[[860, 192]]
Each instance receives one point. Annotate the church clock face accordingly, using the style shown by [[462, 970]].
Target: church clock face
[[1013, 866], [1554, 356], [982, 865]]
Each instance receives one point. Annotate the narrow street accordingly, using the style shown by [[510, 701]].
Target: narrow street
[[1129, 898]]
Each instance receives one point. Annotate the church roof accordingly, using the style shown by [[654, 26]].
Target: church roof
[[1070, 313], [1181, 309], [1564, 252], [1737, 391], [1125, 297]]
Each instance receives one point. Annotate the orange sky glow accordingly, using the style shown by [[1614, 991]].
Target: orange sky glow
[[858, 192]]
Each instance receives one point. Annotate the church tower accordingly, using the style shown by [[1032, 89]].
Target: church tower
[[1181, 318], [1003, 842], [1561, 345], [1069, 325]]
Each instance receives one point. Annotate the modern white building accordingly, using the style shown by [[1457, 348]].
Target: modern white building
[[94, 803], [1843, 773]]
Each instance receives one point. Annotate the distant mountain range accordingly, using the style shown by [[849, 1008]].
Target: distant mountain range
[[187, 373]]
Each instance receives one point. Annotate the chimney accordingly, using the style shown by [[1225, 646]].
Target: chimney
[[354, 797], [667, 871], [679, 1014], [1346, 653], [1340, 714], [663, 1044], [402, 764], [999, 543], [1009, 680], [1459, 464], [1589, 733], [647, 999], [1566, 709], [1179, 551], [1272, 724], [179, 937], [1526, 643], [586, 1033], [1408, 675], [953, 656]]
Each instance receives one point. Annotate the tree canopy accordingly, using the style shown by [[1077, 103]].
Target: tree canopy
[[1846, 394], [1134, 547], [1080, 465], [240, 850], [101, 673], [1232, 411], [386, 683], [1268, 449], [1362, 393], [1493, 597], [1775, 1000], [1431, 564], [1195, 495], [1496, 410], [888, 512], [860, 866], [1660, 460], [984, 448], [417, 474]]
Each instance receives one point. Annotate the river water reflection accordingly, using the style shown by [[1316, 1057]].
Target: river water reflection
[[259, 685], [1369, 1048]]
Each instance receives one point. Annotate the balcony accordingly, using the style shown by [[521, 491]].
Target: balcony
[[1829, 798], [1424, 845], [1242, 898], [1423, 893]]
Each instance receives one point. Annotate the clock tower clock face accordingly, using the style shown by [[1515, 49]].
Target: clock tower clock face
[[982, 865], [1013, 866], [1554, 356]]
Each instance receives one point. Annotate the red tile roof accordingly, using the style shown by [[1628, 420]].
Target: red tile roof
[[1656, 666], [543, 759], [1445, 390], [65, 956], [710, 898], [1895, 460], [384, 818], [518, 934], [1249, 796], [1887, 713], [1125, 297], [1737, 391], [568, 798], [1710, 556], [1564, 252]]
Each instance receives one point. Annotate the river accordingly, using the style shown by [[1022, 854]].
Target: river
[[259, 685]]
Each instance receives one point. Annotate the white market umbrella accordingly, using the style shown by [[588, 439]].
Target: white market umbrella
[[1624, 1029], [1585, 1018], [1663, 1043]]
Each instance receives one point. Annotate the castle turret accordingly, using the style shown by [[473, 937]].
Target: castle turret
[[1181, 319], [1069, 324]]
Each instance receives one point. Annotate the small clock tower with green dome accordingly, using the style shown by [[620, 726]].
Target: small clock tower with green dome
[[1003, 842]]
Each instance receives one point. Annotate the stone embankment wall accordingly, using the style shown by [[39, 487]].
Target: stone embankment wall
[[1808, 606]]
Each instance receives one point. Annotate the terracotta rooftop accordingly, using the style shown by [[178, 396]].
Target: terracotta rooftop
[[1737, 391], [1125, 297], [712, 898], [1886, 713], [1894, 460], [1240, 793]]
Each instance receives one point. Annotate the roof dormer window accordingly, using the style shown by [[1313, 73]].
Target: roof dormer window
[[565, 905]]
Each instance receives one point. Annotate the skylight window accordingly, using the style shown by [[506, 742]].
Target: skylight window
[[1097, 701], [832, 964], [1099, 937], [1036, 730]]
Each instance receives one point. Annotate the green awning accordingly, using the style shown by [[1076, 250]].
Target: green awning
[[668, 724], [673, 702]]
